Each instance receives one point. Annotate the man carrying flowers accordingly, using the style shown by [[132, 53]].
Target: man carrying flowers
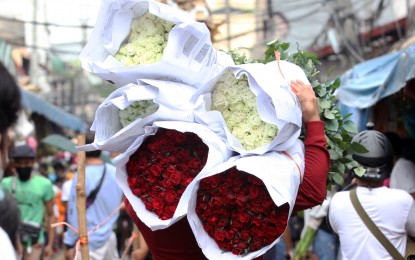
[[178, 242]]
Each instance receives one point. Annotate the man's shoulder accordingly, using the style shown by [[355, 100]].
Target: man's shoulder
[[7, 180], [339, 198], [398, 193], [42, 180]]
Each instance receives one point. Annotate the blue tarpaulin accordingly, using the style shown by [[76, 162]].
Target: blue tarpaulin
[[52, 112], [370, 81]]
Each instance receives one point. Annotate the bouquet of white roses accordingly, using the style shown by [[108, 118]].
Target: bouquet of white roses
[[137, 109], [123, 116], [252, 115], [237, 103], [144, 39]]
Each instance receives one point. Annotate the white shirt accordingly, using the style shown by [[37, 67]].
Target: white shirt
[[403, 175], [393, 212], [66, 190], [6, 247]]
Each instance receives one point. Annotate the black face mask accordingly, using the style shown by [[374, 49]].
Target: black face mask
[[24, 173]]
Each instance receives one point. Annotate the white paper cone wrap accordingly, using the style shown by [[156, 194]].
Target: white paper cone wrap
[[189, 56], [281, 177], [172, 98], [276, 104]]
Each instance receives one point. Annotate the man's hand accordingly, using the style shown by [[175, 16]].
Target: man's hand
[[308, 100], [48, 252], [139, 254]]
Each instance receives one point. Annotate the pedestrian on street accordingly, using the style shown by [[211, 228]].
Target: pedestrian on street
[[392, 211], [104, 196], [34, 195]]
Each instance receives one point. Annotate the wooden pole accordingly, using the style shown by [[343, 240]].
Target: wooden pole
[[81, 201]]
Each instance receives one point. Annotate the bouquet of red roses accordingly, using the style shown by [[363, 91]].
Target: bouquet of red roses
[[163, 166], [240, 208], [238, 213], [157, 169]]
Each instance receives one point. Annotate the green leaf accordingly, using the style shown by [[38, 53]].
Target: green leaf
[[324, 103], [359, 171], [338, 137], [332, 125], [350, 127], [347, 116], [338, 178], [330, 71], [358, 148], [341, 168], [334, 155], [320, 92], [273, 42], [328, 114]]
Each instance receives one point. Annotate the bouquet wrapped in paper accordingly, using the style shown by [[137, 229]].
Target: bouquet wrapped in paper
[[251, 111], [136, 39], [158, 169], [239, 208], [121, 118]]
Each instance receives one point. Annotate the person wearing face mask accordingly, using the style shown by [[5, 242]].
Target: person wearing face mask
[[34, 194]]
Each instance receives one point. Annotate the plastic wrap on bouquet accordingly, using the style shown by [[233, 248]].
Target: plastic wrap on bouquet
[[217, 153], [171, 99], [188, 57], [275, 103], [280, 173]]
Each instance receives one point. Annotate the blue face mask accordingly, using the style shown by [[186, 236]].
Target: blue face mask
[[52, 177]]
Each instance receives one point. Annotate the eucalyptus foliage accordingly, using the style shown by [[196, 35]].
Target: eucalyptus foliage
[[338, 129]]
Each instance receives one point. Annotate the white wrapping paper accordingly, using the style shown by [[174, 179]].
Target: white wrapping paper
[[281, 177], [218, 153], [276, 104], [174, 104], [189, 56]]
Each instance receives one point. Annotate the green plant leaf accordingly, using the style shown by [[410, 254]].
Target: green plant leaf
[[338, 178], [324, 103], [358, 148], [359, 171], [350, 127], [328, 114], [337, 130], [332, 125]]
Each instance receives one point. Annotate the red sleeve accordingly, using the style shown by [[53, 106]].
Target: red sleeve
[[176, 242], [312, 190]]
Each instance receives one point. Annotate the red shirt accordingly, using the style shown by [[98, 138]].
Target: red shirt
[[178, 243]]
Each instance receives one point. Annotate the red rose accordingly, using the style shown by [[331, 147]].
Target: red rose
[[194, 163], [187, 181], [131, 181], [230, 234], [253, 191], [245, 234], [244, 217], [155, 169], [170, 197], [239, 204], [158, 203], [220, 235]]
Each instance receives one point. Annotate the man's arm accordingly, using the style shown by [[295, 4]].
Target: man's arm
[[312, 190], [48, 252]]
